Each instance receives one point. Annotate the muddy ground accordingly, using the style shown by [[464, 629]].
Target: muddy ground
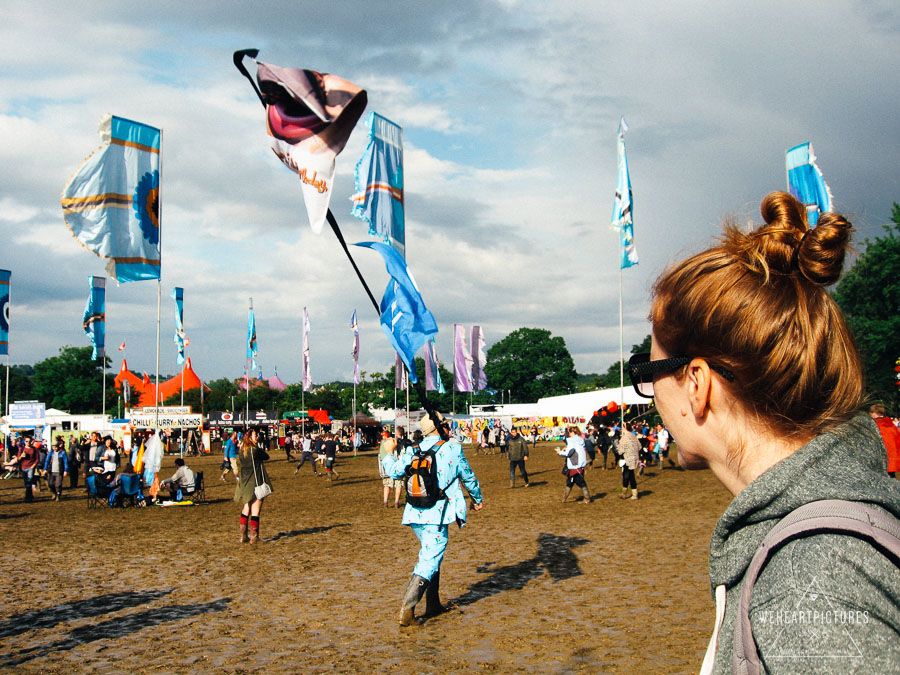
[[539, 586]]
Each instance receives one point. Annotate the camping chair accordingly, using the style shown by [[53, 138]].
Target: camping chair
[[199, 493], [98, 494], [129, 492]]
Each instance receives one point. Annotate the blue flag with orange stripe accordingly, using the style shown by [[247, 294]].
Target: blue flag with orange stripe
[[111, 204], [379, 183]]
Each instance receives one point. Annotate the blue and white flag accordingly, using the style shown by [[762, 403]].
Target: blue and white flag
[[379, 183], [252, 351], [354, 326], [433, 380], [806, 183], [404, 317], [4, 311], [111, 204], [94, 319], [304, 364], [621, 215], [178, 297]]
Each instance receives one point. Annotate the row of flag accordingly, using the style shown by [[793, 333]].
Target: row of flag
[[112, 205]]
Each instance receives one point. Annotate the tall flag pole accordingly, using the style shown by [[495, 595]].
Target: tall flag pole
[[5, 276], [479, 379], [806, 182], [307, 376], [622, 221], [94, 323], [379, 183]]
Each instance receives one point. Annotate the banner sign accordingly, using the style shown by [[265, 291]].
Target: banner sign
[[27, 410], [167, 410], [149, 421], [231, 419]]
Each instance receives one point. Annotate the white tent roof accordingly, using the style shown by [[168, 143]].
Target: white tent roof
[[585, 403]]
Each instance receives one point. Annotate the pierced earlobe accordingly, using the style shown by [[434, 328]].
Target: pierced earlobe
[[683, 412]]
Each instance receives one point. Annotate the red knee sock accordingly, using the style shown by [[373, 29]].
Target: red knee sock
[[243, 520], [254, 523]]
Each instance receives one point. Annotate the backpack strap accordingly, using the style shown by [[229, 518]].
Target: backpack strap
[[829, 515]]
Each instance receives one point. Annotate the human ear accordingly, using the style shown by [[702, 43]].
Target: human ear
[[699, 379]]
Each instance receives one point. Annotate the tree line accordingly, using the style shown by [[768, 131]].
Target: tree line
[[524, 366]]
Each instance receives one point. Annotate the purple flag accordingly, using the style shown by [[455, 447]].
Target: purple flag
[[462, 360], [479, 379]]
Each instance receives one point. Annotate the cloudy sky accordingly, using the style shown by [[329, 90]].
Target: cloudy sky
[[509, 111]]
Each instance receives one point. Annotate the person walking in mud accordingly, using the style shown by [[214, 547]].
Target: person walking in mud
[[517, 452], [431, 525], [576, 461], [252, 468], [629, 448]]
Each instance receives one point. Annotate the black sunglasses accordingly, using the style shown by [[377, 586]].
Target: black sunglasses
[[641, 370]]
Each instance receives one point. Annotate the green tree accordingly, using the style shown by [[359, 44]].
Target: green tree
[[20, 386], [869, 295], [531, 364], [72, 381]]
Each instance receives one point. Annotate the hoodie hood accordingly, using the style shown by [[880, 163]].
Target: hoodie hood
[[847, 463]]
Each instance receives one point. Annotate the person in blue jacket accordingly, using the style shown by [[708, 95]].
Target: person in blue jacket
[[431, 525]]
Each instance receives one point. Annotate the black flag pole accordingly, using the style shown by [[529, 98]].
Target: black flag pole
[[238, 59]]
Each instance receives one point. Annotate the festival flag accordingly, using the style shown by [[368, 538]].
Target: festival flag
[[379, 183], [621, 216], [433, 379], [354, 326], [310, 116], [404, 317], [462, 360], [4, 311], [137, 458], [126, 392], [252, 347], [178, 297], [399, 373], [145, 380], [806, 183], [122, 346], [307, 378], [94, 319], [479, 379], [111, 204]]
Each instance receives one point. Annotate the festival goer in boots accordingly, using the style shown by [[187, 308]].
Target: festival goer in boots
[[630, 450], [576, 459], [252, 468], [56, 466], [431, 525], [517, 450]]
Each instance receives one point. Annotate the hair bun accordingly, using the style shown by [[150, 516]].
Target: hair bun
[[820, 253], [785, 243]]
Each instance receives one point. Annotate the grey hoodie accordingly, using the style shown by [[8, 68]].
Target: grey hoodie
[[826, 603]]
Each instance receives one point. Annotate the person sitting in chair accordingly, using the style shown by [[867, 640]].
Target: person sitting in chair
[[182, 481], [126, 481]]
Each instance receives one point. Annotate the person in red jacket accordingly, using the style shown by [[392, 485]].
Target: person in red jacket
[[891, 436]]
